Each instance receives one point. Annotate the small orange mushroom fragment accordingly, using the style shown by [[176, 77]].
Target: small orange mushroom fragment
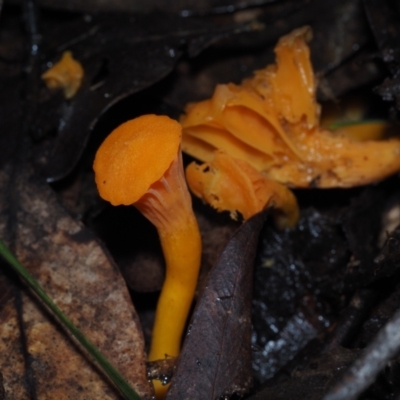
[[66, 74], [272, 121], [140, 164], [229, 184]]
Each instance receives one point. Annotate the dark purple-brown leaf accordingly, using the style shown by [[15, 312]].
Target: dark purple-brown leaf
[[216, 356]]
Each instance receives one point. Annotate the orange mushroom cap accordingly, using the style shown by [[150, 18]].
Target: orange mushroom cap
[[134, 156]]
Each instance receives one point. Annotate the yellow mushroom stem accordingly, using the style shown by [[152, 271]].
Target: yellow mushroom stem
[[167, 204], [230, 184]]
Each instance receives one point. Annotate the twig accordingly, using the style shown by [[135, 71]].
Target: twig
[[364, 370]]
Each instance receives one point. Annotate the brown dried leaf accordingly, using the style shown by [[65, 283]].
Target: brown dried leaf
[[216, 357], [37, 358]]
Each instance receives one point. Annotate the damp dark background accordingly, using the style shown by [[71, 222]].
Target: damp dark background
[[322, 293]]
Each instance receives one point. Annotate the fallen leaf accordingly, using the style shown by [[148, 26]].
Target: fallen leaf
[[216, 357], [121, 54], [37, 357]]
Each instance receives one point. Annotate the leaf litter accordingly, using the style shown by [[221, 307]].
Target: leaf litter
[[76, 272], [121, 54], [313, 274]]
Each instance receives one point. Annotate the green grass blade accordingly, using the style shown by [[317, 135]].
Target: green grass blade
[[343, 124], [123, 386]]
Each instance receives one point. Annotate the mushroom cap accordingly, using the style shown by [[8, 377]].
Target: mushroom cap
[[134, 156]]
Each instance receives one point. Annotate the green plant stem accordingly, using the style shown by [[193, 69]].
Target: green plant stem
[[122, 385]]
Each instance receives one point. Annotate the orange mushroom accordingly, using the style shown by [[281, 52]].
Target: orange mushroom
[[140, 164], [272, 121], [229, 184]]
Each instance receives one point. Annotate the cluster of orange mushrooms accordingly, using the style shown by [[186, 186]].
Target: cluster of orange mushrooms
[[272, 122], [256, 140]]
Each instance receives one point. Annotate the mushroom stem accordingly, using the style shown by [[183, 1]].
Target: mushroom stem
[[167, 204], [178, 290], [140, 164]]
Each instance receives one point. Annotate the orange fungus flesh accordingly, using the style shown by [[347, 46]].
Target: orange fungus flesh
[[229, 184], [272, 121], [66, 74]]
